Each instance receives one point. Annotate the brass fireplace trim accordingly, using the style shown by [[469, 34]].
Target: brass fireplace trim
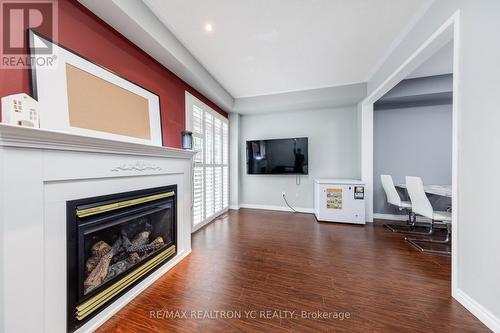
[[89, 306], [117, 205]]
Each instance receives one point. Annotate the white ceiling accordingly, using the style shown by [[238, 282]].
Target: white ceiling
[[260, 47], [439, 63]]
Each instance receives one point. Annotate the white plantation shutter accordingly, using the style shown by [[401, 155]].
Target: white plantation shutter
[[209, 191], [225, 169], [198, 202], [209, 139], [197, 130], [197, 120], [198, 172], [225, 147], [218, 142], [218, 189], [209, 169], [225, 187], [198, 146], [211, 172], [217, 165]]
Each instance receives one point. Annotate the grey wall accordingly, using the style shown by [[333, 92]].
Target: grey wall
[[478, 141], [333, 152], [413, 141]]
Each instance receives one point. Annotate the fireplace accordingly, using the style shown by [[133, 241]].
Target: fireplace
[[113, 243]]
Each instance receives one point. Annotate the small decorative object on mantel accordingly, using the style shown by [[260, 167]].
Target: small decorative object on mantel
[[21, 110], [187, 140]]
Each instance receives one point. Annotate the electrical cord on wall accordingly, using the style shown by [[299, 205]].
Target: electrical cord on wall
[[286, 201]]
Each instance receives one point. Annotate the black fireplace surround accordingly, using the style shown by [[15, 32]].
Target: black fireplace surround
[[113, 243]]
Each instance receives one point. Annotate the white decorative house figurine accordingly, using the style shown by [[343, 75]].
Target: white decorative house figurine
[[21, 110]]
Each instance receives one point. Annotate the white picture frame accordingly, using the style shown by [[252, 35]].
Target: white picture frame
[[49, 88]]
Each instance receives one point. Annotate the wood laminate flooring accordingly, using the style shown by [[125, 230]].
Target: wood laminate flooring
[[279, 270]]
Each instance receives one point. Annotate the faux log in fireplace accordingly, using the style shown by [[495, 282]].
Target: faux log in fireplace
[[114, 242]]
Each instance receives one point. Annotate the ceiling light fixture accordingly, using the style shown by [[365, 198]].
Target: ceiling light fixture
[[208, 27]]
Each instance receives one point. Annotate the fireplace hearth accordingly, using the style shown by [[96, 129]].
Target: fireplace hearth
[[113, 243]]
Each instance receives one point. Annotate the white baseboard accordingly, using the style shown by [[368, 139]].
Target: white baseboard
[[485, 316], [234, 207], [278, 208], [395, 217]]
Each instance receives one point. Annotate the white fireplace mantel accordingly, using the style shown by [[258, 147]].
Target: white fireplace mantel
[[40, 171], [25, 137]]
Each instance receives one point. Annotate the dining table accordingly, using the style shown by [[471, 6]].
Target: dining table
[[441, 190]]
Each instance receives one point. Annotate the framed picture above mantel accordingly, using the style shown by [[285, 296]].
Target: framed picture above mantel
[[78, 96]]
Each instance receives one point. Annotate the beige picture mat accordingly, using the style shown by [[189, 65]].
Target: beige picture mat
[[99, 105]]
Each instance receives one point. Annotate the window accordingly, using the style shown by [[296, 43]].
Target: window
[[210, 174]]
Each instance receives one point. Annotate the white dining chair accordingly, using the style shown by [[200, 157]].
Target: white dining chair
[[394, 199], [422, 206]]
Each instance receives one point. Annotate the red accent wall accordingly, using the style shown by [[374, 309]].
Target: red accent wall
[[83, 32]]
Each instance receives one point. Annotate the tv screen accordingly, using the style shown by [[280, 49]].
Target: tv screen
[[277, 157]]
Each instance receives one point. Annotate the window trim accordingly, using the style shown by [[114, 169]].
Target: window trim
[[189, 103]]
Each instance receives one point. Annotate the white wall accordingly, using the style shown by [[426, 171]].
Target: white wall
[[478, 115], [333, 152]]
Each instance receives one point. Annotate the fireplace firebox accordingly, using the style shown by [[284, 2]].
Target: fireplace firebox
[[113, 243]]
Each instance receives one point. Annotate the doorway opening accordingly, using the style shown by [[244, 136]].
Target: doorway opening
[[447, 33]]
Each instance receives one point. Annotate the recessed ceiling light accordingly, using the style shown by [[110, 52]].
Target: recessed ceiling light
[[208, 27]]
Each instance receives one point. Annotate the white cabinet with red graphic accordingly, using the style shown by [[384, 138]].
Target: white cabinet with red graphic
[[339, 200]]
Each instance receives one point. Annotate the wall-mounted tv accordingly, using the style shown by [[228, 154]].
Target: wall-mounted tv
[[277, 157]]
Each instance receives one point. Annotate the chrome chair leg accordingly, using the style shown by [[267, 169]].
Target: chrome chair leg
[[415, 242], [410, 226]]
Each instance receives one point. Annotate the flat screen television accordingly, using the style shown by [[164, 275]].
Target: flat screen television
[[277, 157]]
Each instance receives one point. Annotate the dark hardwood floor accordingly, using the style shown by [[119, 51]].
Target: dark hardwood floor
[[252, 261]]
